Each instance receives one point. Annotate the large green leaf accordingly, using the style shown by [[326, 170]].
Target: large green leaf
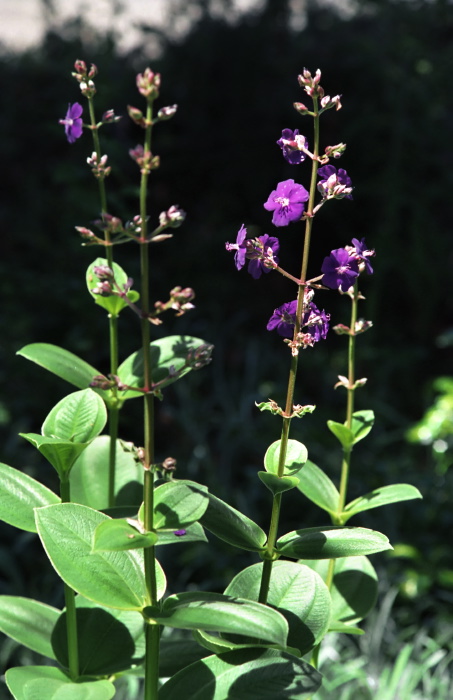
[[296, 456], [168, 355], [109, 641], [221, 613], [179, 503], [267, 674], [230, 525], [317, 486], [113, 579], [119, 535], [62, 454], [113, 304], [331, 542], [190, 533], [354, 587], [78, 417], [19, 495], [381, 497], [89, 476], [176, 653], [29, 622], [297, 592], [61, 362], [49, 683]]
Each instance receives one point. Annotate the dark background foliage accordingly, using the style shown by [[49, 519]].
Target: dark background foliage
[[235, 84]]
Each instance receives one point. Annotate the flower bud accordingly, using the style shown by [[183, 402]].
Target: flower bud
[[109, 117], [167, 112], [148, 83], [136, 115], [174, 217], [103, 272], [301, 108], [80, 67]]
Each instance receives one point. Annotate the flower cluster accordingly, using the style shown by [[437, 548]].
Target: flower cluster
[[314, 323], [342, 267], [261, 252]]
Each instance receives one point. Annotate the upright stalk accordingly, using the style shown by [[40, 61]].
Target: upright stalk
[[346, 461], [113, 320], [269, 556], [152, 630]]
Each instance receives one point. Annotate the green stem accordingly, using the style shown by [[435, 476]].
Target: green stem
[[69, 596], [113, 320], [346, 461], [269, 555], [152, 631]]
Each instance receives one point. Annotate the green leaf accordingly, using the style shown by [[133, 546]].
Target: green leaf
[[119, 536], [362, 422], [340, 627], [243, 674], [29, 622], [193, 533], [38, 682], [79, 417], [61, 454], [381, 497], [109, 641], [179, 503], [354, 587], [231, 526], [219, 645], [113, 304], [331, 542], [221, 613], [113, 579], [277, 484], [165, 353], [296, 456], [297, 592], [342, 433], [61, 362], [176, 654], [19, 495], [89, 486], [317, 486]]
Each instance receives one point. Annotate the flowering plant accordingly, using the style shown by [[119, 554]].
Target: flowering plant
[[118, 504]]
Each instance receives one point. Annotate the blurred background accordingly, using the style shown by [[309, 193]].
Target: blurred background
[[232, 69]]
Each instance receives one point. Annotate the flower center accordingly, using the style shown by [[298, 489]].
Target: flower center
[[284, 201]]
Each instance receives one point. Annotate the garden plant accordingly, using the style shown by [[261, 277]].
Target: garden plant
[[124, 627]]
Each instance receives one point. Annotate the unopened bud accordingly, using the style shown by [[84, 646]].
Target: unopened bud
[[299, 107], [80, 67], [136, 115], [173, 218], [109, 117], [200, 357], [167, 112], [103, 272], [169, 464], [148, 83]]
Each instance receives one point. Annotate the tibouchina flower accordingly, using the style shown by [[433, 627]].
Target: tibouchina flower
[[287, 202], [73, 122], [340, 270]]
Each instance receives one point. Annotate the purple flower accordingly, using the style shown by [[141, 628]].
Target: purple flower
[[340, 270], [316, 322], [362, 253], [268, 249], [334, 183], [287, 202], [283, 319], [73, 122], [240, 247], [291, 143]]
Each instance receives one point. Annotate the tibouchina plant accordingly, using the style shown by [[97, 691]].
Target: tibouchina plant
[[120, 632]]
